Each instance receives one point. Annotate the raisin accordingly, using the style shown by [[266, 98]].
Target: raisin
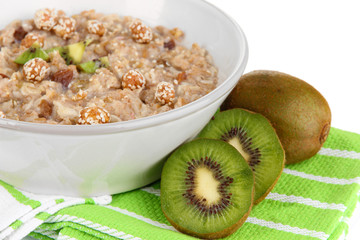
[[64, 76], [19, 33], [169, 44], [45, 109], [181, 77]]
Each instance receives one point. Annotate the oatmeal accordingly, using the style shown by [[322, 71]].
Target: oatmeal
[[92, 68]]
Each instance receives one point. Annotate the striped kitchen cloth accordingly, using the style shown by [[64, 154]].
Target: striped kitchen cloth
[[312, 200]]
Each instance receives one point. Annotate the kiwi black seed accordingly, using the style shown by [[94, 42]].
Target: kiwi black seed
[[256, 140], [207, 189]]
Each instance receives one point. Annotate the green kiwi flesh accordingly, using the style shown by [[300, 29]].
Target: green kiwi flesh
[[206, 189], [256, 140], [35, 51], [73, 53], [91, 66]]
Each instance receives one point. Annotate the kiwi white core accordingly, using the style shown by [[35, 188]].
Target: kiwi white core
[[236, 144], [206, 186]]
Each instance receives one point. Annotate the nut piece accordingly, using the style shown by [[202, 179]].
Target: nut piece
[[45, 109], [79, 95], [133, 80], [45, 19], [181, 77], [3, 75], [93, 115], [2, 115], [177, 33], [165, 93], [65, 27], [31, 38], [95, 27], [36, 70], [140, 32]]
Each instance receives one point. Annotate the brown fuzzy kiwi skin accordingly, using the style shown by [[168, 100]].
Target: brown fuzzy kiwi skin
[[299, 113], [215, 235]]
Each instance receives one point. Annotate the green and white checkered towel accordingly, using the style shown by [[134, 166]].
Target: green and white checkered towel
[[312, 200]]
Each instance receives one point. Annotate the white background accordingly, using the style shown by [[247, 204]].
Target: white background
[[317, 41]]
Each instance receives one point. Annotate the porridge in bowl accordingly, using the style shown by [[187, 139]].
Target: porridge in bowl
[[92, 68]]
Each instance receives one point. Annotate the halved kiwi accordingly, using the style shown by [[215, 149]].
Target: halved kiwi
[[206, 189], [256, 140]]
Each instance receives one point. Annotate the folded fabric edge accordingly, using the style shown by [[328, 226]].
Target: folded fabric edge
[[28, 219]]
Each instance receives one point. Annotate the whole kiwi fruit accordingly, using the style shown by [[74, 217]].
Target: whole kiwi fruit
[[299, 113]]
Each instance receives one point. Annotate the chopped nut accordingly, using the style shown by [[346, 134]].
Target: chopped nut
[[169, 44], [165, 93], [65, 27], [36, 70], [133, 80], [140, 32], [163, 62], [95, 27], [181, 77], [108, 99], [63, 76], [61, 13], [31, 38], [93, 115], [2, 115], [79, 95], [176, 32], [78, 84], [45, 19], [3, 75], [19, 33], [45, 109]]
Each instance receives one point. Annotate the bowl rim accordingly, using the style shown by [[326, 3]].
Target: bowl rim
[[145, 122]]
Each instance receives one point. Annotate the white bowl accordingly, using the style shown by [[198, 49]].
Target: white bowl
[[117, 157]]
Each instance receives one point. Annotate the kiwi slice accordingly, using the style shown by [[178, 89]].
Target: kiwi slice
[[73, 53], [35, 51], [59, 49], [207, 189], [91, 66], [254, 137]]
